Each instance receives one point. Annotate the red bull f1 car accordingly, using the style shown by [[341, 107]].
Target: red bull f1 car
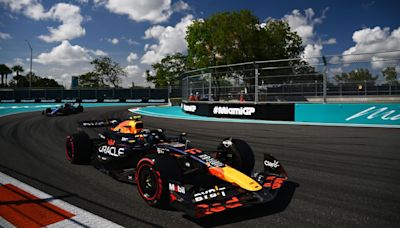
[[168, 171]]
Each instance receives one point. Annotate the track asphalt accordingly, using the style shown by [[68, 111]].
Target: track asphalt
[[339, 176]]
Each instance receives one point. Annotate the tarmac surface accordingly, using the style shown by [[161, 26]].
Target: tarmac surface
[[338, 176]]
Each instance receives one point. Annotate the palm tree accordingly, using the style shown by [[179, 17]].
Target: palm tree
[[17, 69], [4, 71]]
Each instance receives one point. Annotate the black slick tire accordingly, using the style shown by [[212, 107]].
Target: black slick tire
[[153, 174]]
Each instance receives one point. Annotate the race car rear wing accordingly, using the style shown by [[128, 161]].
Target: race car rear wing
[[99, 123]]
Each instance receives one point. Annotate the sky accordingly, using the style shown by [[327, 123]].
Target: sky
[[66, 35]]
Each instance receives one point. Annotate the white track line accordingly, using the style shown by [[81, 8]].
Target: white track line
[[82, 218]]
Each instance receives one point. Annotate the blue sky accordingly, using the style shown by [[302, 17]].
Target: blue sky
[[66, 35]]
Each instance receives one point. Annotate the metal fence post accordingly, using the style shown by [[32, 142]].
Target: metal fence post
[[187, 88], [149, 92], [316, 88], [209, 86], [325, 75], [365, 85], [256, 84], [169, 91]]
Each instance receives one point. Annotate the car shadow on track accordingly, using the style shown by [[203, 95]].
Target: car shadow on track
[[277, 205]]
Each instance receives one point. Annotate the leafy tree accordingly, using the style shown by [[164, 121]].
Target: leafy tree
[[4, 71], [357, 75], [108, 71], [91, 80], [18, 69], [167, 71], [390, 75], [236, 37]]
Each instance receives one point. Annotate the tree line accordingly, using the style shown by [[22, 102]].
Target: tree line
[[20, 80], [364, 75]]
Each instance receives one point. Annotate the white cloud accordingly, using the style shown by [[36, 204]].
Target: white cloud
[[68, 14], [329, 41], [181, 6], [170, 40], [135, 74], [113, 41], [4, 36], [372, 41], [20, 5], [98, 53], [303, 24], [334, 60], [65, 54], [82, 1], [132, 57], [18, 61], [142, 10], [336, 70], [71, 20], [132, 70], [154, 32], [99, 3], [131, 41], [311, 51]]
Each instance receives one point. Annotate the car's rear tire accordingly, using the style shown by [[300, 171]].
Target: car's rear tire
[[80, 108], [153, 174], [239, 154], [47, 111], [78, 148]]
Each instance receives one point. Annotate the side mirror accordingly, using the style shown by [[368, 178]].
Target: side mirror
[[182, 139], [182, 136]]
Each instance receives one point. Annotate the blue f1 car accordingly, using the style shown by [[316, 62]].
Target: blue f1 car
[[64, 109]]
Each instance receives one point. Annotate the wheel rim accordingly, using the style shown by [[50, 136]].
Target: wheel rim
[[148, 182]]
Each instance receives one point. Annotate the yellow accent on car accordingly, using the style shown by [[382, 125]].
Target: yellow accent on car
[[234, 176]]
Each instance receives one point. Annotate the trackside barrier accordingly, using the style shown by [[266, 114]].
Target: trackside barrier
[[266, 111], [373, 113], [144, 100]]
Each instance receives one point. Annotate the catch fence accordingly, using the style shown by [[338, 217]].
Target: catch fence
[[367, 74]]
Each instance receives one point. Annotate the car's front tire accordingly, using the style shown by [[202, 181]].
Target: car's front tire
[[153, 174]]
